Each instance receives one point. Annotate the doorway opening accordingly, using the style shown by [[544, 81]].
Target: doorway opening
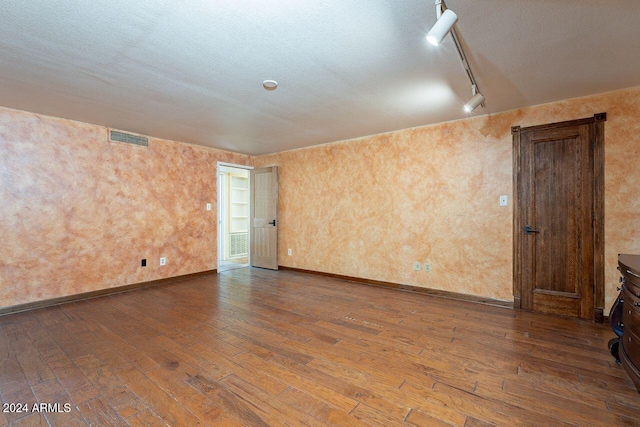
[[233, 216]]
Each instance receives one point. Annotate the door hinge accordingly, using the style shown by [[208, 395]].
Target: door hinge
[[593, 217], [593, 144]]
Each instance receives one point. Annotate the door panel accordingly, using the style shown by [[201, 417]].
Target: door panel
[[556, 208], [264, 225], [554, 261]]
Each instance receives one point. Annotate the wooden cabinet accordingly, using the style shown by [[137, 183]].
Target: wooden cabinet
[[629, 347]]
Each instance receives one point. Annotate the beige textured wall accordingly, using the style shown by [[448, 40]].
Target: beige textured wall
[[78, 213], [372, 206]]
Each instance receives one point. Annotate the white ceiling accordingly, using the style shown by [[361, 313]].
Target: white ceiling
[[192, 70]]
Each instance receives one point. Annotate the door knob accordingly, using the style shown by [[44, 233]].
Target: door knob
[[272, 222], [529, 230]]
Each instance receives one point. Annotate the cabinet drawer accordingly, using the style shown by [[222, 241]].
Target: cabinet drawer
[[631, 277], [631, 300], [633, 288], [629, 266], [631, 344], [630, 316], [631, 369], [631, 321]]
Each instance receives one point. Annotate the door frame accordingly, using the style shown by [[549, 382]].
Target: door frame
[[219, 201], [597, 144]]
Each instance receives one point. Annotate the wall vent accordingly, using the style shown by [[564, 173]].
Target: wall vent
[[115, 135], [238, 245]]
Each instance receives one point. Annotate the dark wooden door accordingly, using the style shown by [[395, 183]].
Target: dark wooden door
[[556, 216]]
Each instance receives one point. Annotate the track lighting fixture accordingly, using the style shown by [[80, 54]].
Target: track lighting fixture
[[443, 25], [446, 19], [474, 102]]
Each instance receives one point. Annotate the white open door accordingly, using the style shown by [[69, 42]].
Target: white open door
[[264, 218]]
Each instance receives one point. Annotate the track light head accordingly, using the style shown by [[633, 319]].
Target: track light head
[[474, 102], [441, 28]]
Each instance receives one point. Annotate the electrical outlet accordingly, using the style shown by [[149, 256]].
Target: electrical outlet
[[416, 266], [144, 262], [427, 266], [289, 251], [163, 261]]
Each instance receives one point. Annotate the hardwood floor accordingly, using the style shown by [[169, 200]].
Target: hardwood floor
[[254, 347]]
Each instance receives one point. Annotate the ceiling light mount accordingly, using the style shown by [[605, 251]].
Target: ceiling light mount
[[444, 25], [270, 84]]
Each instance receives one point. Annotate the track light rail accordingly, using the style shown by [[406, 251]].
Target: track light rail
[[440, 8]]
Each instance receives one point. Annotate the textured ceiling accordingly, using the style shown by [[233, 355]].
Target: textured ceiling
[[192, 71]]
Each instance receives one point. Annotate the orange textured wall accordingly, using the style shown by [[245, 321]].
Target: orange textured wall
[[372, 206], [79, 212]]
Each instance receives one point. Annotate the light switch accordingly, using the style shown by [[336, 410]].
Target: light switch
[[504, 200], [208, 206]]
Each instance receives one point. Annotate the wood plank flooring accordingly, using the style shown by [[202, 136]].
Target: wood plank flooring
[[253, 347]]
